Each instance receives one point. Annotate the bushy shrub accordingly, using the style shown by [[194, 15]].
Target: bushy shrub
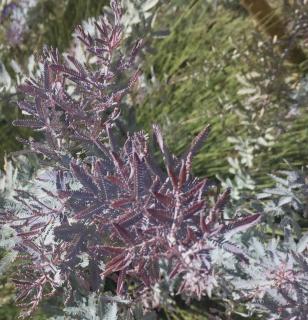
[[116, 226], [103, 208]]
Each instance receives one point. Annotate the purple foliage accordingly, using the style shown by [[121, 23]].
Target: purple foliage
[[73, 103], [7, 10], [13, 17], [127, 211]]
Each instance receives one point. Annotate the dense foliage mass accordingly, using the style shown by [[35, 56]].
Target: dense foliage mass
[[105, 222]]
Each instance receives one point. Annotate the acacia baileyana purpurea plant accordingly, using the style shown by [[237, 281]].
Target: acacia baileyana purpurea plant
[[107, 198]]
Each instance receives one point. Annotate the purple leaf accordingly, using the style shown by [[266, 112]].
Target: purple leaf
[[91, 211], [124, 235], [166, 201], [240, 225], [85, 179], [33, 124], [198, 142], [160, 215], [122, 202]]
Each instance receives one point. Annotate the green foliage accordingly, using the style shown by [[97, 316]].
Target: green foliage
[[90, 308], [52, 23], [194, 77], [184, 92], [16, 175], [274, 284], [287, 201]]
